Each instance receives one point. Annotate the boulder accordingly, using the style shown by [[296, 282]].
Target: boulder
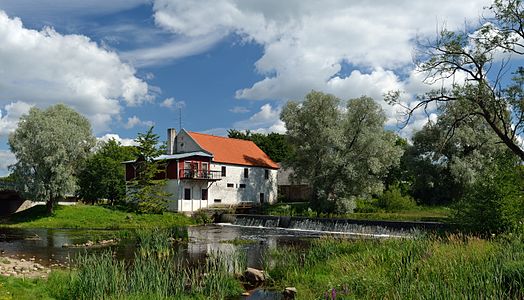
[[253, 275], [289, 292]]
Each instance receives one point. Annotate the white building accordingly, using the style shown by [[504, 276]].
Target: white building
[[206, 170]]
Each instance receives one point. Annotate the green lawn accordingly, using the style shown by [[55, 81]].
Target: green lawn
[[418, 213], [95, 217]]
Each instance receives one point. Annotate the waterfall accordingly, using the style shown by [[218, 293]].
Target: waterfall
[[335, 226], [259, 221]]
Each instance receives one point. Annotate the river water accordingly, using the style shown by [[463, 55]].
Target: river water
[[46, 246]]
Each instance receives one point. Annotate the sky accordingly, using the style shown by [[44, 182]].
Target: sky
[[210, 65]]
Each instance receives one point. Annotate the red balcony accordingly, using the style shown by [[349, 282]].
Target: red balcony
[[199, 174]]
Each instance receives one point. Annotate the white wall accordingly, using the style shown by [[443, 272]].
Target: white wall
[[254, 185], [184, 143]]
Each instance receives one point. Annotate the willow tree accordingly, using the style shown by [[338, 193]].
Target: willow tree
[[50, 145], [343, 152], [486, 59]]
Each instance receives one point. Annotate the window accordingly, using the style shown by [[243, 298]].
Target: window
[[187, 194], [246, 172], [230, 185], [204, 194], [261, 198], [223, 171], [266, 174], [217, 200], [241, 186]]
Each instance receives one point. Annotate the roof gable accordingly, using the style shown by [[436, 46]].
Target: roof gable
[[233, 151]]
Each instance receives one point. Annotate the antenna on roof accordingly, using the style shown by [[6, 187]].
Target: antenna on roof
[[179, 119]]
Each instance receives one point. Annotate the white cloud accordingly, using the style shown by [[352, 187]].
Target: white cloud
[[264, 121], [116, 137], [7, 158], [45, 67], [10, 114], [348, 48], [172, 104], [180, 48], [239, 110], [135, 121]]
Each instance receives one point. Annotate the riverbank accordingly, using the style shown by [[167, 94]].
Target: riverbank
[[453, 267], [92, 217], [417, 213], [423, 267]]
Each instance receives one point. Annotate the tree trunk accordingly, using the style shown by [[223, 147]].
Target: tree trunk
[[50, 205]]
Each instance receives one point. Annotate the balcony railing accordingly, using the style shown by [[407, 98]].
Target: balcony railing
[[199, 174]]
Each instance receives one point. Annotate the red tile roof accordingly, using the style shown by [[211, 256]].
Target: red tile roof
[[233, 151]]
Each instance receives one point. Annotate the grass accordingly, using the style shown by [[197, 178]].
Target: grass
[[23, 289], [93, 217], [453, 267], [155, 273], [418, 213]]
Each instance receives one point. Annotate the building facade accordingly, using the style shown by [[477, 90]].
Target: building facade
[[204, 171]]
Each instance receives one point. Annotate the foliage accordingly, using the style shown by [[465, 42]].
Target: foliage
[[50, 145], [147, 191], [86, 216], [155, 273], [494, 203], [452, 267], [447, 156], [101, 177], [393, 200], [486, 90], [202, 217], [341, 153], [273, 144]]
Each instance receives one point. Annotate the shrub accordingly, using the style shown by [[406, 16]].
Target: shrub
[[366, 206], [202, 217], [393, 200], [345, 205], [495, 202]]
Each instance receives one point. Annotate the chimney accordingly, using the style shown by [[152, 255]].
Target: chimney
[[171, 143]]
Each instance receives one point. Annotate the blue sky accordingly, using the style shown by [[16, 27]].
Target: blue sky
[[129, 64]]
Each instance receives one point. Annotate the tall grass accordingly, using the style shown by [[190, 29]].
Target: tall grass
[[452, 267], [155, 273]]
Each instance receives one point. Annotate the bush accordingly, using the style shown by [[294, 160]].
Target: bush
[[345, 206], [367, 206], [495, 202], [393, 200], [202, 217]]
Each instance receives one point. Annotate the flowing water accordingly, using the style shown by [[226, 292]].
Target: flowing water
[[254, 237]]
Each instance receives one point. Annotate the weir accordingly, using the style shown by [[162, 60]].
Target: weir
[[333, 225]]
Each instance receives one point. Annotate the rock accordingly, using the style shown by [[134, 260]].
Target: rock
[[32, 259], [253, 275], [289, 292], [245, 294], [22, 259]]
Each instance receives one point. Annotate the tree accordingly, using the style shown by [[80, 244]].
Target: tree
[[147, 191], [484, 56], [342, 154], [443, 164], [273, 144], [101, 175], [50, 145]]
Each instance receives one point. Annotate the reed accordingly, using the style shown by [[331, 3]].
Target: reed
[[450, 267], [154, 273]]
